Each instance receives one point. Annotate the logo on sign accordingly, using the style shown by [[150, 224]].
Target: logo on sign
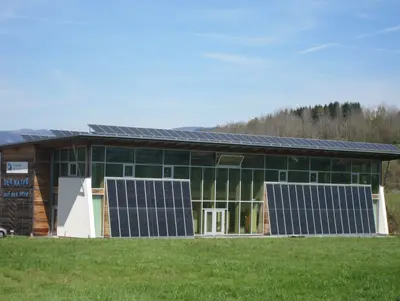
[[17, 167]]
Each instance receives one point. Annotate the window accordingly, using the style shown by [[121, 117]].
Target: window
[[276, 162], [341, 178], [195, 182], [56, 173], [342, 165], [375, 167], [324, 177], [80, 153], [230, 160], [355, 178], [168, 172], [148, 171], [172, 157], [73, 170], [321, 164], [271, 175], [299, 163], [258, 185], [234, 184], [253, 161], [313, 177], [208, 183], [128, 170], [149, 156], [64, 170], [57, 155], [247, 182], [222, 184], [64, 155], [283, 176], [97, 175], [181, 172], [299, 176], [120, 154], [202, 159], [361, 166], [98, 153], [114, 170]]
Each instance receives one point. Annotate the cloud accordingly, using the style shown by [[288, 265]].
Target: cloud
[[380, 32], [317, 48], [242, 40], [235, 59]]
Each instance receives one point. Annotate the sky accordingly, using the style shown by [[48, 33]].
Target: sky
[[167, 64]]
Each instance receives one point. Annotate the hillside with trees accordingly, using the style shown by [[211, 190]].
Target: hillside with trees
[[339, 121]]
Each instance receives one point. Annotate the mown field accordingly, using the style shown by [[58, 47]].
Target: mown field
[[200, 269], [393, 209]]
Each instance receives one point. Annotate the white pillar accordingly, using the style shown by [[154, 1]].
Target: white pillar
[[383, 227]]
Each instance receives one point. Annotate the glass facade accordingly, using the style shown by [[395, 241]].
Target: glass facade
[[237, 189]]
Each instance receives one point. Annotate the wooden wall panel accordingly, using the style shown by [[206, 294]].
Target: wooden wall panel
[[41, 192], [16, 211], [266, 215], [106, 223]]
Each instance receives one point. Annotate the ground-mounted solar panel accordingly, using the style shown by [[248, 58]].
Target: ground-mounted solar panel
[[320, 209], [149, 207], [242, 139]]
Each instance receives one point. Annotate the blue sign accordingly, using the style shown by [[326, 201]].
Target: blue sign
[[17, 183], [15, 194]]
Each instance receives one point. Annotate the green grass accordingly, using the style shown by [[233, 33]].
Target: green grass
[[200, 269], [393, 210]]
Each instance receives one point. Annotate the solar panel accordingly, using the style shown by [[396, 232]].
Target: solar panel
[[149, 207], [320, 209], [241, 139], [35, 137], [59, 133]]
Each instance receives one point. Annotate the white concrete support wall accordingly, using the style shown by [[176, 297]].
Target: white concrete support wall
[[75, 208], [383, 227]]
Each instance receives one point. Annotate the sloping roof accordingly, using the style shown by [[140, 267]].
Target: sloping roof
[[243, 140]]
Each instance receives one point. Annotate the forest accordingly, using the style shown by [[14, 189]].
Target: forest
[[339, 121]]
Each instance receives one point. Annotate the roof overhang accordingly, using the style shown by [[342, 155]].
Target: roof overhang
[[83, 139]]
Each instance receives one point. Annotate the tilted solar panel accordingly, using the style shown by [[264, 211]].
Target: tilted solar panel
[[320, 209], [149, 207]]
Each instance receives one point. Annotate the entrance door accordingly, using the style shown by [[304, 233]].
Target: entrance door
[[214, 221]]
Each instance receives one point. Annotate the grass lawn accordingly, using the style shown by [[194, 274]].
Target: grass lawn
[[200, 269]]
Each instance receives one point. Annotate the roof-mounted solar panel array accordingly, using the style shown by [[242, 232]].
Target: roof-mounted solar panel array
[[29, 138], [241, 139], [59, 133]]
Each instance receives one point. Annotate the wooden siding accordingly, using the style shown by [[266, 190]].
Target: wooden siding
[[16, 213], [41, 192], [106, 223], [266, 215]]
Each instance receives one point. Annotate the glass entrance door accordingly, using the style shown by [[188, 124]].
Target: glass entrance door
[[214, 221]]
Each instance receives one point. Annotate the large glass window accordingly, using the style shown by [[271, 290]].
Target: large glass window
[[275, 162], [342, 165], [222, 184], [272, 176], [375, 183], [258, 185], [375, 167], [247, 179], [120, 154], [181, 172], [64, 155], [172, 157], [97, 175], [77, 154], [203, 159], [234, 184], [341, 178], [245, 218], [363, 166], [149, 156], [148, 171], [209, 184], [321, 164], [257, 218], [253, 161], [98, 153], [195, 182], [299, 163], [197, 217], [299, 176], [114, 170], [233, 216]]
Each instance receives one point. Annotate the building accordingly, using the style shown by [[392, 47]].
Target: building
[[225, 175]]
